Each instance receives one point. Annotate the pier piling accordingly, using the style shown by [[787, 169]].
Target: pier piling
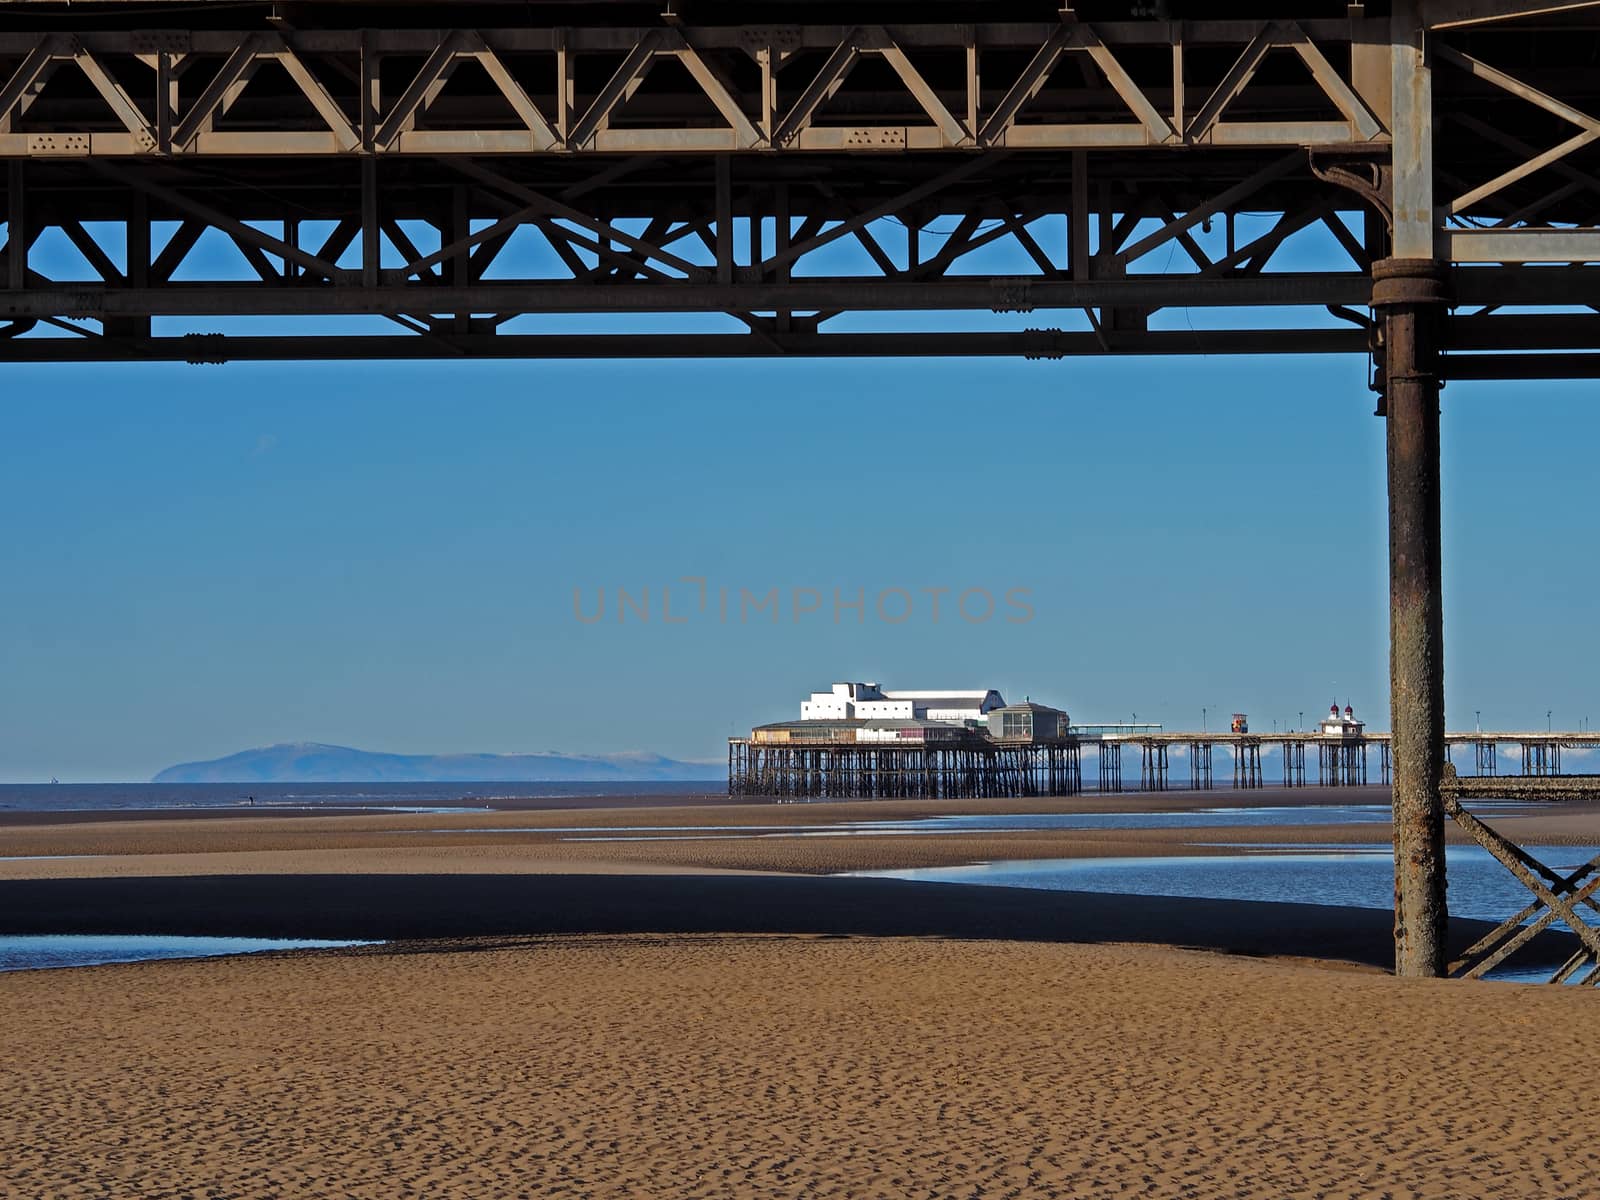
[[1410, 295], [1110, 766], [1294, 764]]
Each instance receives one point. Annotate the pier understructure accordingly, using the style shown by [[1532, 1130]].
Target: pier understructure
[[830, 764], [960, 768], [1344, 762]]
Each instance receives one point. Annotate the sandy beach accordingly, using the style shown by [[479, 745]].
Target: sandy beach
[[779, 1066], [701, 1014]]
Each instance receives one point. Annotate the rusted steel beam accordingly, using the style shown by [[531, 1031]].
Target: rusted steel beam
[[979, 293], [1457, 14], [1410, 294], [1517, 787]]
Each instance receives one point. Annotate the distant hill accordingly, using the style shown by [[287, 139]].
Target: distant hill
[[309, 762]]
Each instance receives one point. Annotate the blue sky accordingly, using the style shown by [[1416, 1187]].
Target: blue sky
[[201, 559]]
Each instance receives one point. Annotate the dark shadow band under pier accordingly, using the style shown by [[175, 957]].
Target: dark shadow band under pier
[[406, 907]]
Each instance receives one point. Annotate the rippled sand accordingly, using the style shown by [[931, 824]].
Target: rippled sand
[[786, 1066]]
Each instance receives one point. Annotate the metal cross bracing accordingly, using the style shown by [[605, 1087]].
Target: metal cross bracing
[[1047, 181], [1557, 897]]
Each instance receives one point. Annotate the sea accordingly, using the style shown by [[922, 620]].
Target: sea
[[379, 797]]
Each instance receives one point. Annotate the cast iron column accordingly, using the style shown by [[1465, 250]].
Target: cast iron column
[[1410, 295]]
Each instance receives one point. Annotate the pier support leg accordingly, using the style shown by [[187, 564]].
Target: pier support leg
[[1410, 295]]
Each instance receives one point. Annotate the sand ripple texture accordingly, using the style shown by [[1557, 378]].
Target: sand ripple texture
[[777, 1066]]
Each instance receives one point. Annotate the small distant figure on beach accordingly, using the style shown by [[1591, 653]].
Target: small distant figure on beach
[[250, 800]]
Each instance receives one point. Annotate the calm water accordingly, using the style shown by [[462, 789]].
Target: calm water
[[423, 797], [32, 953], [1354, 876]]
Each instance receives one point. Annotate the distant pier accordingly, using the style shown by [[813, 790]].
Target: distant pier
[[829, 761]]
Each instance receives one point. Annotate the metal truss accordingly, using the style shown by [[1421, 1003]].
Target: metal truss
[[799, 88], [804, 186]]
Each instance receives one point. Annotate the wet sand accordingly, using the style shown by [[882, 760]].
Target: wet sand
[[676, 1066], [691, 838]]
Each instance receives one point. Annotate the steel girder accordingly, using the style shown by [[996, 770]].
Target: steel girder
[[870, 88]]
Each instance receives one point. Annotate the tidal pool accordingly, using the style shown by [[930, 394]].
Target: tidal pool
[[33, 952]]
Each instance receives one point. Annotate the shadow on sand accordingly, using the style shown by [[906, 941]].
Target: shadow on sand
[[402, 907]]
